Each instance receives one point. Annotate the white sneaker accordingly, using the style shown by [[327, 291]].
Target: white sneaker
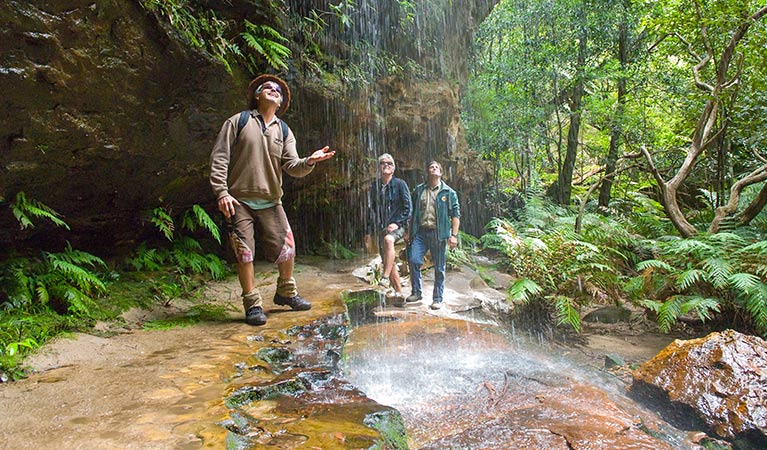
[[384, 282], [395, 298]]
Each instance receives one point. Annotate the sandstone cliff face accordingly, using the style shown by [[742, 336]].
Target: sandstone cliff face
[[106, 115]]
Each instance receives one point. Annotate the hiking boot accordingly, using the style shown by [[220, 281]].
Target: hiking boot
[[412, 298], [296, 303], [436, 305], [255, 316]]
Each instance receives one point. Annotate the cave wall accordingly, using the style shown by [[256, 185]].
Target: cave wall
[[106, 115]]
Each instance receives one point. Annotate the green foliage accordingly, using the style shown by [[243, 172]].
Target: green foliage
[[706, 274], [567, 312], [204, 31], [336, 250], [524, 290], [556, 266], [343, 11], [24, 210], [10, 355], [186, 255], [164, 222], [66, 280], [203, 312], [265, 41]]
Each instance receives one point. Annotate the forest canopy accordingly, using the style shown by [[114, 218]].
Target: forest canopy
[[662, 97]]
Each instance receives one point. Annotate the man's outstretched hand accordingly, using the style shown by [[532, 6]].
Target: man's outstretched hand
[[320, 155]]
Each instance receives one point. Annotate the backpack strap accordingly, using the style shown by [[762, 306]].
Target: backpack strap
[[241, 122], [284, 130]]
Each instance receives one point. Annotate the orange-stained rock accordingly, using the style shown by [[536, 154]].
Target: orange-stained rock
[[722, 377]]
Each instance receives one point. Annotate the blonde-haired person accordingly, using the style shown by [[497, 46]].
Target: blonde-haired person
[[389, 208]]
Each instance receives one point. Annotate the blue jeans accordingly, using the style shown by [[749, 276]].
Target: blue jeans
[[426, 240]]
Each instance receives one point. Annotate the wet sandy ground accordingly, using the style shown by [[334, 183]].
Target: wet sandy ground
[[150, 389]]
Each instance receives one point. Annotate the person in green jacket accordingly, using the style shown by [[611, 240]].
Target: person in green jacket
[[433, 227], [246, 167]]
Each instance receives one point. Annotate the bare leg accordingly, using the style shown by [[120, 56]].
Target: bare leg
[[247, 277], [286, 269], [389, 266], [388, 256], [395, 280]]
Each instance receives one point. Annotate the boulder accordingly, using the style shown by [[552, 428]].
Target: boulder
[[721, 379]]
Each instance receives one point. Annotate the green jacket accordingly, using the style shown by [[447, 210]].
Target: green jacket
[[447, 208]]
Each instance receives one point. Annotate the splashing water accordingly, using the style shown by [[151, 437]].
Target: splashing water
[[460, 385]]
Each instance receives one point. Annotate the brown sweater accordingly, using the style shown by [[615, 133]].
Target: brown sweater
[[253, 168]]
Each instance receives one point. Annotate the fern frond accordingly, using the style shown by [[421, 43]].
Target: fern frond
[[200, 217], [757, 247], [756, 305], [727, 241], [566, 312], [164, 222], [668, 313], [85, 280], [42, 294], [78, 303], [688, 278], [81, 258], [263, 40], [718, 271], [652, 305], [744, 282], [23, 208], [523, 290], [654, 264], [689, 247], [703, 306]]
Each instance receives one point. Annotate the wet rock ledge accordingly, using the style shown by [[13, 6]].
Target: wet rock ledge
[[307, 404]]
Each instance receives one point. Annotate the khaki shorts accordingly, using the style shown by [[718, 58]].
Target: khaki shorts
[[272, 228], [396, 234]]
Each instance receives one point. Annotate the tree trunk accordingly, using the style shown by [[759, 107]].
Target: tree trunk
[[704, 134], [617, 122], [565, 178], [754, 208], [724, 211]]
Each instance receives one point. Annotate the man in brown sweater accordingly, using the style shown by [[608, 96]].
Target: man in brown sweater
[[246, 167]]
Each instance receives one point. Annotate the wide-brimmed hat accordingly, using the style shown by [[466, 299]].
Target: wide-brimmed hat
[[261, 79]]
